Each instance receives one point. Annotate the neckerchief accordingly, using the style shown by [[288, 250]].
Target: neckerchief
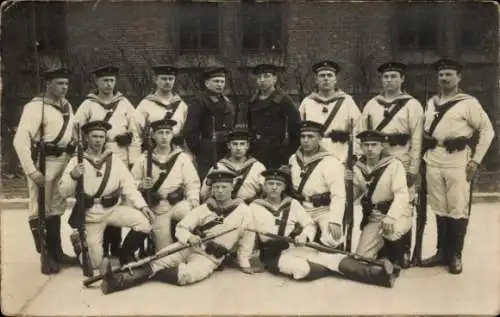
[[275, 211], [225, 209], [305, 161], [99, 161], [161, 165], [231, 166], [458, 97], [326, 101], [94, 97], [166, 103], [366, 171]]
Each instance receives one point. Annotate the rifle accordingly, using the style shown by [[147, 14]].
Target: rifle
[[168, 250], [86, 264], [319, 247], [42, 225], [421, 205], [149, 170], [349, 218], [214, 143]]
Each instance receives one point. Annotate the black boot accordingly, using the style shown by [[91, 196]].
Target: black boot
[[33, 223], [458, 230], [51, 265], [111, 241], [59, 255], [395, 251], [114, 282], [441, 256], [368, 273], [316, 271], [169, 275], [131, 244], [406, 250], [52, 241]]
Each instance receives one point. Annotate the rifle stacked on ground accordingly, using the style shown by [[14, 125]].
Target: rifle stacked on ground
[[148, 140], [41, 235], [349, 216], [80, 205]]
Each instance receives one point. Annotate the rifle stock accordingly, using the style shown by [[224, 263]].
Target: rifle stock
[[149, 172], [160, 254], [214, 143], [349, 223], [421, 207], [86, 264], [42, 225], [325, 249]]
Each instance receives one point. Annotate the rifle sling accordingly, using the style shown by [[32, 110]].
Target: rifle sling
[[400, 103], [307, 174], [334, 112], [376, 175], [110, 110], [443, 109], [243, 173], [284, 219], [105, 178], [166, 169]]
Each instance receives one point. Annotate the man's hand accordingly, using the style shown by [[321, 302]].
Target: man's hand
[[37, 177], [300, 240], [194, 240], [388, 225], [78, 171], [148, 213], [194, 203], [146, 183], [335, 231], [471, 170], [411, 179], [196, 243]]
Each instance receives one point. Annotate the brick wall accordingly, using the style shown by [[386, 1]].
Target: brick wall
[[138, 33]]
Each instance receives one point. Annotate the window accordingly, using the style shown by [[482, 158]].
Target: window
[[198, 27], [262, 26], [417, 27], [50, 27], [477, 26]]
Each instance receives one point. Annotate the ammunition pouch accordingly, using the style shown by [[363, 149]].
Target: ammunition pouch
[[124, 139], [215, 249], [154, 198], [322, 199], [176, 196], [338, 136], [272, 249], [107, 201], [428, 143], [398, 139], [368, 207], [456, 144], [296, 230]]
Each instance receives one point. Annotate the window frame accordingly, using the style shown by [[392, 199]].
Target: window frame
[[198, 5], [281, 9]]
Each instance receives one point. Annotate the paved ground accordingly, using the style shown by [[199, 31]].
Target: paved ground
[[25, 291]]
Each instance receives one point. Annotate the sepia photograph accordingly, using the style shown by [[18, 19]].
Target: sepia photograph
[[249, 157]]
